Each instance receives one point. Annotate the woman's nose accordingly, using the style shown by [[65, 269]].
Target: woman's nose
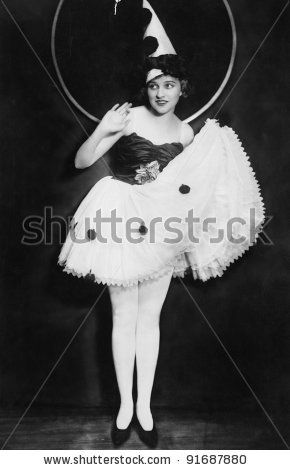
[[160, 93]]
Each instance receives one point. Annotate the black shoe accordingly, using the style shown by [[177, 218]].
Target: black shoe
[[119, 436], [150, 438]]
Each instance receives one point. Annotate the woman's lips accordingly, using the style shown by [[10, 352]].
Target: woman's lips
[[161, 102]]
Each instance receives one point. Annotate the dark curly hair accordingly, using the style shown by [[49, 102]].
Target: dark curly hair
[[170, 64]]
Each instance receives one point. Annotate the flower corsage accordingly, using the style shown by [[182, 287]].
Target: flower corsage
[[148, 172]]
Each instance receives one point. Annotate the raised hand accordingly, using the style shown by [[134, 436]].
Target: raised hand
[[116, 119]]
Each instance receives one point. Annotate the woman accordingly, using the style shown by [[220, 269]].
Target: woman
[[136, 310], [159, 170]]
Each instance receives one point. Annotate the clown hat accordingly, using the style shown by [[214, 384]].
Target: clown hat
[[156, 34], [156, 30]]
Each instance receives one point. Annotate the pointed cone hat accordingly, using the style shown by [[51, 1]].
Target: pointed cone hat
[[155, 32]]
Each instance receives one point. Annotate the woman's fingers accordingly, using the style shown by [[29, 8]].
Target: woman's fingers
[[126, 116], [126, 112], [124, 108]]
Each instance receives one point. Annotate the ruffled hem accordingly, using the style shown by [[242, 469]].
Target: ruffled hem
[[217, 267], [213, 269], [129, 282]]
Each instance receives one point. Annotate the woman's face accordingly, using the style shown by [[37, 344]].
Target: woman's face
[[164, 93]]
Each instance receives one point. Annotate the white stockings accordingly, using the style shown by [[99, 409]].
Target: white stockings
[[136, 313]]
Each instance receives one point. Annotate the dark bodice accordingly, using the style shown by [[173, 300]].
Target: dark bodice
[[133, 152]]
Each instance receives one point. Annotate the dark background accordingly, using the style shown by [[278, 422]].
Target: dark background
[[42, 307]]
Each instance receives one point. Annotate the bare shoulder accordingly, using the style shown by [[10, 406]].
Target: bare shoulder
[[137, 111], [187, 134], [138, 108]]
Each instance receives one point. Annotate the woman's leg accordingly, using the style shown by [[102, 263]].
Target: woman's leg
[[124, 302], [152, 294]]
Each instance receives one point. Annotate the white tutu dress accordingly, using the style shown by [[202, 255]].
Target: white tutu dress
[[195, 210]]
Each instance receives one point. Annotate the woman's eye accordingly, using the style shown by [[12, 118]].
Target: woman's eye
[[167, 85]]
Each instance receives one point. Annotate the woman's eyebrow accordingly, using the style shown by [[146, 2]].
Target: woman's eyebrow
[[170, 81], [165, 81]]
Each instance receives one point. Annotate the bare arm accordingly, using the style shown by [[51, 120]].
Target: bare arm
[[95, 147], [109, 130]]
